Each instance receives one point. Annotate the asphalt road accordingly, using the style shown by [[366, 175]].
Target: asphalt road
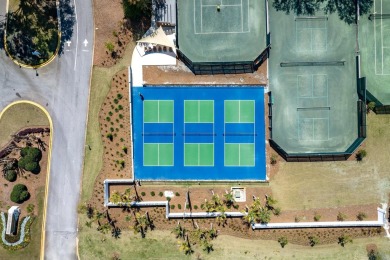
[[63, 88]]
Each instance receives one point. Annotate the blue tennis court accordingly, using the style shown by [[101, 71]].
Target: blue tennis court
[[198, 133]]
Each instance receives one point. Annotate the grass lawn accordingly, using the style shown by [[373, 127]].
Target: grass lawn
[[32, 250], [19, 116], [331, 184], [163, 245], [101, 82]]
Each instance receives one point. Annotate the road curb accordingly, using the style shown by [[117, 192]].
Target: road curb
[[44, 63], [43, 236]]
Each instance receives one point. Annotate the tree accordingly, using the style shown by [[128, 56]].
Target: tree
[[10, 175], [116, 232], [229, 199], [374, 255], [185, 246], [346, 9], [313, 240], [283, 241], [179, 231], [29, 161], [19, 193], [361, 154], [371, 106], [344, 239]]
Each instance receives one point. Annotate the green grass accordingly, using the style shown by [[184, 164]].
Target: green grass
[[100, 86], [17, 117], [163, 245], [32, 250], [331, 184]]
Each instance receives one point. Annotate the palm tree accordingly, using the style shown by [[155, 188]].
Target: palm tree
[[229, 199], [116, 232], [185, 247], [116, 198], [264, 215], [270, 202], [207, 246], [104, 228], [98, 216], [179, 231], [213, 233]]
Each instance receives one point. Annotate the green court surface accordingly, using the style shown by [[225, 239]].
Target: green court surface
[[158, 111], [158, 154], [198, 111], [314, 106], [214, 30], [239, 154], [239, 111], [374, 43], [198, 154]]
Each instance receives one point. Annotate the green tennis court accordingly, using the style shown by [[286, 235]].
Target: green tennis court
[[158, 154], [239, 111], [313, 83], [239, 154], [214, 30], [374, 43], [158, 111]]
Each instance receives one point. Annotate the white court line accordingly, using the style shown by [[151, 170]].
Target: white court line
[[201, 18], [382, 34], [375, 41], [77, 34], [221, 5], [242, 18]]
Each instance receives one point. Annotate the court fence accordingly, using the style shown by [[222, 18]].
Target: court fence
[[234, 67], [331, 156]]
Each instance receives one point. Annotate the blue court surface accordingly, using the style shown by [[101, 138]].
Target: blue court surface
[[198, 133]]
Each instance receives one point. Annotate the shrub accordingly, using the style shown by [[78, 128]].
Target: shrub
[[119, 96], [317, 217], [30, 159], [124, 149], [33, 167], [177, 194], [341, 216], [110, 113], [361, 154], [172, 206], [143, 193], [110, 46], [297, 219], [110, 136], [19, 193], [187, 206], [10, 175], [120, 107], [160, 194], [30, 208], [313, 241], [371, 106], [283, 241], [108, 119], [116, 101], [273, 159], [152, 193], [179, 206], [361, 216], [195, 206], [344, 239], [168, 198], [120, 116], [277, 211]]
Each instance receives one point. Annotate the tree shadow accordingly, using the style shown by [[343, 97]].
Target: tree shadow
[[68, 20]]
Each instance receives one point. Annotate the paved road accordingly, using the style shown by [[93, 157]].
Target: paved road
[[63, 88]]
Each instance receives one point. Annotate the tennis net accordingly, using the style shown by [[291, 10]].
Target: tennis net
[[378, 16], [310, 18], [305, 63]]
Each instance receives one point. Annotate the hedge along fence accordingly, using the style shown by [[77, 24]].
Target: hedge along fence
[[24, 229]]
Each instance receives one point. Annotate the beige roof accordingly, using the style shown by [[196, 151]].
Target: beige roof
[[158, 37]]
